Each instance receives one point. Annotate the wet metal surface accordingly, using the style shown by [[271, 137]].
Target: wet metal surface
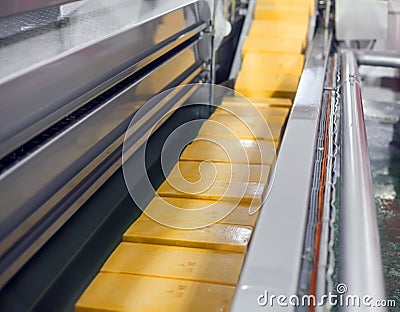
[[382, 113], [385, 167]]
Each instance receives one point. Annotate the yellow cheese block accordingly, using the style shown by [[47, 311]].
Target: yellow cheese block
[[304, 3], [242, 129], [251, 122], [302, 6], [287, 2], [193, 171], [288, 13], [185, 213], [266, 85], [272, 63], [244, 192], [248, 109], [278, 29], [231, 151], [238, 101], [193, 264], [286, 83], [127, 292], [217, 236], [272, 45]]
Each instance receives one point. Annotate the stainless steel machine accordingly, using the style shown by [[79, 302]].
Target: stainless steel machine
[[72, 76]]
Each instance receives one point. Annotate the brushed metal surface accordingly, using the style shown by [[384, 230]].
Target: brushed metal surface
[[44, 188], [47, 73], [13, 7], [361, 19], [360, 263]]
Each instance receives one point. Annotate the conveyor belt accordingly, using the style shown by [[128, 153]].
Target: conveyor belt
[[168, 268]]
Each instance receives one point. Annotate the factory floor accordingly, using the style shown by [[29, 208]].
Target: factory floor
[[381, 96]]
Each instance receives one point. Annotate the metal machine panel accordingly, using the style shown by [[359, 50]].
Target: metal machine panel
[[45, 187], [11, 7], [48, 72], [46, 179], [361, 19]]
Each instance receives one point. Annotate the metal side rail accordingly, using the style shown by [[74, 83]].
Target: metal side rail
[[360, 264], [274, 257], [378, 58], [237, 61]]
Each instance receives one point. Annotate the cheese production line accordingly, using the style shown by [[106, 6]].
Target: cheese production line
[[91, 90]]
